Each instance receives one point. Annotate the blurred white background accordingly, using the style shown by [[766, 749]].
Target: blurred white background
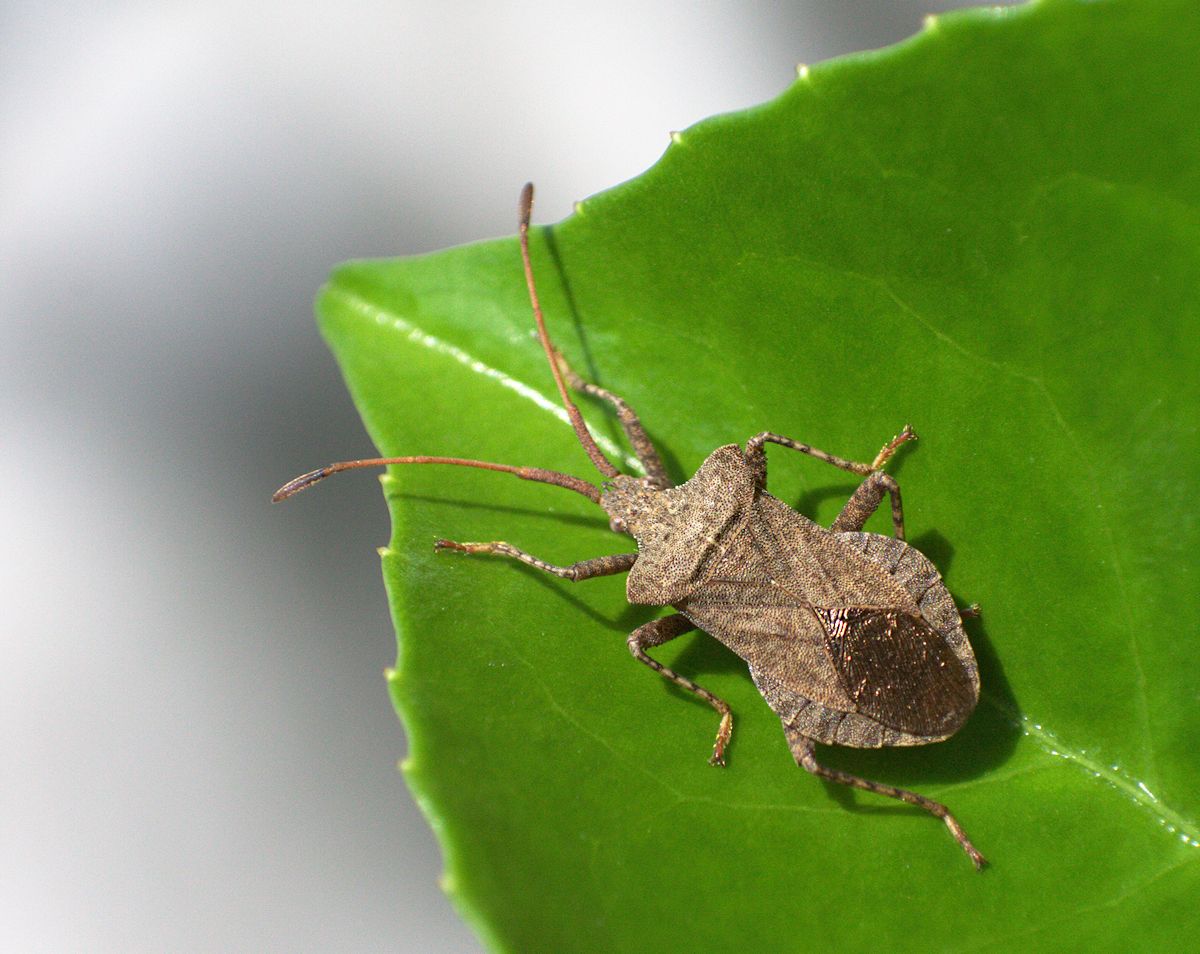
[[198, 750]]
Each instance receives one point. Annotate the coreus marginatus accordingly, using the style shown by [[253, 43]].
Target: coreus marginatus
[[851, 637]]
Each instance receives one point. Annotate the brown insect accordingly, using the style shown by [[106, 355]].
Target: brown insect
[[851, 637]]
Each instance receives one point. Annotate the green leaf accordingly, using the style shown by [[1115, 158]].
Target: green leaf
[[991, 231]]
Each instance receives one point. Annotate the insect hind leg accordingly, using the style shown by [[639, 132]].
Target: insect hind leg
[[802, 750]]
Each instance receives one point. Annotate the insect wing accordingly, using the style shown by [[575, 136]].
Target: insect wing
[[897, 669]]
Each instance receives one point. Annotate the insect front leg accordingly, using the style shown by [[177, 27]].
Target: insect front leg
[[645, 450], [583, 570], [663, 630], [802, 750]]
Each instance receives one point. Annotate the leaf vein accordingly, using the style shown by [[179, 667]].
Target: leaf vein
[[1136, 790], [1095, 483]]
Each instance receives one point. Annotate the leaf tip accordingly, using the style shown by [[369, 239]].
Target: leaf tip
[[676, 137], [930, 22], [802, 71]]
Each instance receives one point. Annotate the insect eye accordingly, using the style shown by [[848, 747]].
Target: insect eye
[[617, 525]]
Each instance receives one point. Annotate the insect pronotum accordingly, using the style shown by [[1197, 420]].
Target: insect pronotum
[[851, 637]]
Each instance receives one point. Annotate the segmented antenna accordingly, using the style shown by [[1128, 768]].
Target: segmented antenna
[[603, 464], [304, 481], [579, 486]]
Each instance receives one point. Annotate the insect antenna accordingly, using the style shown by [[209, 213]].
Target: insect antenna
[[304, 481], [603, 464], [567, 481]]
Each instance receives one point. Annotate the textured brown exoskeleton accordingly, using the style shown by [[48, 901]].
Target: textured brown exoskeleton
[[851, 637]]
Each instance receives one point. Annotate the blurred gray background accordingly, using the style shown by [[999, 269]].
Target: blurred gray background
[[198, 747]]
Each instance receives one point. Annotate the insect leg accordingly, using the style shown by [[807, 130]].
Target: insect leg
[[758, 458], [646, 453], [663, 630], [802, 750], [865, 501], [583, 570]]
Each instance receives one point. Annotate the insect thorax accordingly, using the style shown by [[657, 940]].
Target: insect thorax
[[679, 530]]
